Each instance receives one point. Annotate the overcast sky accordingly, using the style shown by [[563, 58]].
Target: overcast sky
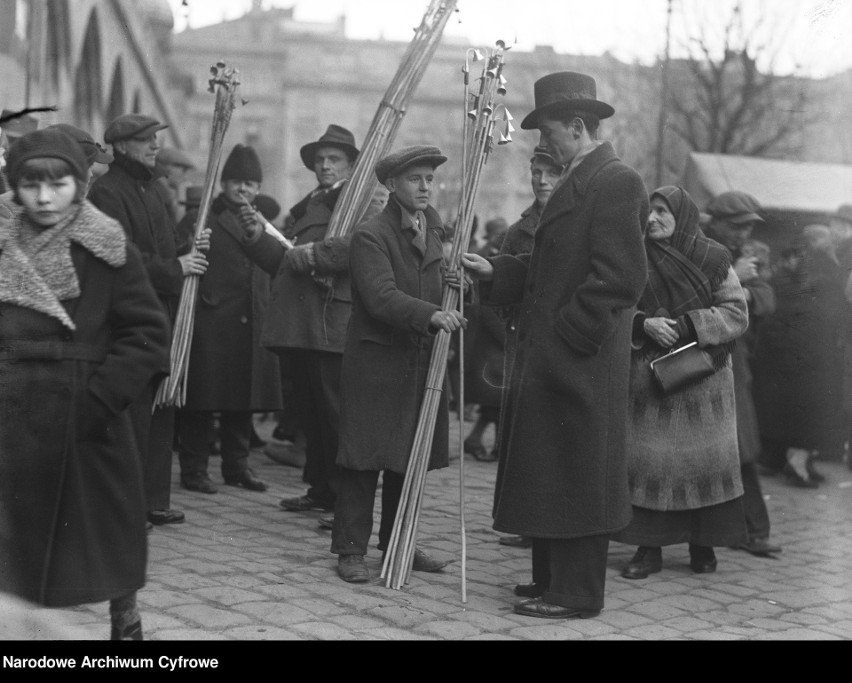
[[812, 33]]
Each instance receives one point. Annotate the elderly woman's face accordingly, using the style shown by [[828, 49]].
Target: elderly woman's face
[[661, 221]]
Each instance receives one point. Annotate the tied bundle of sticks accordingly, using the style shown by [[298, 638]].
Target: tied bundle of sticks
[[357, 193], [172, 390], [484, 120]]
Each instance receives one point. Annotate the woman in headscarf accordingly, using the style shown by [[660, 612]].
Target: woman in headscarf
[[683, 460], [81, 335]]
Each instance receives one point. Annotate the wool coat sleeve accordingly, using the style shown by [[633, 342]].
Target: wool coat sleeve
[[762, 297], [506, 288], [140, 337], [373, 275], [618, 267], [727, 317], [266, 252]]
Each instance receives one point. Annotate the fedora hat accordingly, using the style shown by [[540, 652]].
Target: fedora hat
[[565, 91], [334, 136], [193, 196]]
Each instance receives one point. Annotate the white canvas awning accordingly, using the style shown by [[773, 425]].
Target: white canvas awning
[[778, 185]]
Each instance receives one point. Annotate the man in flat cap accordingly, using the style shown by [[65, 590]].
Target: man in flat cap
[[563, 475], [230, 374], [128, 193], [397, 287], [310, 306], [732, 217]]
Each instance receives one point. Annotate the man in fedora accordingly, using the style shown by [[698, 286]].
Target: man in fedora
[[563, 478], [309, 308], [397, 288], [127, 192]]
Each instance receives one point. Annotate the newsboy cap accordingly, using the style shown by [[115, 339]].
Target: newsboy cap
[[48, 142], [541, 153], [334, 136], [93, 151], [563, 92], [175, 157], [736, 207], [131, 126], [398, 161]]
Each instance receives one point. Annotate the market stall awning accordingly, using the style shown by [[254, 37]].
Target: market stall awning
[[804, 187]]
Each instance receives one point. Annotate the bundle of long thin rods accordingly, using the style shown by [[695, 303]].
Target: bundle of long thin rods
[[484, 120], [172, 390], [357, 193]]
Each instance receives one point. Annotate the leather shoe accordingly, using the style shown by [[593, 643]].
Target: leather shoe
[[352, 568], [165, 516], [646, 561], [702, 559], [197, 481], [424, 563], [516, 541], [536, 607], [760, 547], [529, 590], [247, 480], [326, 523], [797, 480], [304, 504]]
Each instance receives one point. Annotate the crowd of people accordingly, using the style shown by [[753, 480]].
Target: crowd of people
[[566, 310]]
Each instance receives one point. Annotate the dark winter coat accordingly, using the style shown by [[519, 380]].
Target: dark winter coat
[[73, 507], [396, 289], [129, 193], [564, 470], [228, 367]]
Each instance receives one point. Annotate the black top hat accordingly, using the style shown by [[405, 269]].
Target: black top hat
[[193, 196], [566, 91], [334, 136]]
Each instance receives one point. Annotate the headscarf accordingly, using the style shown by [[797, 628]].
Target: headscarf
[[684, 271]]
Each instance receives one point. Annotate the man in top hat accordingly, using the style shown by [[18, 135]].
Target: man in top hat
[[563, 475], [230, 374], [127, 192], [310, 306], [732, 217], [397, 288]]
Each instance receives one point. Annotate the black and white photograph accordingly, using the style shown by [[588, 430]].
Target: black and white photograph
[[422, 321]]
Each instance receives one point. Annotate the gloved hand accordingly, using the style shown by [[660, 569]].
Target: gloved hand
[[249, 222], [301, 257]]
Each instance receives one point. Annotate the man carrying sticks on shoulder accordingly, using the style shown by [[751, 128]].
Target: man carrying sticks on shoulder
[[309, 308], [397, 287], [562, 478], [128, 192]]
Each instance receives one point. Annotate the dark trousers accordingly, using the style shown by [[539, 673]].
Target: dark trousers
[[316, 387], [572, 569], [756, 514], [195, 434], [353, 513], [154, 434], [288, 416]]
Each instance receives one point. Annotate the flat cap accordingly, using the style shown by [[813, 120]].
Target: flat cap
[[93, 151], [736, 207], [175, 157], [131, 126], [398, 161]]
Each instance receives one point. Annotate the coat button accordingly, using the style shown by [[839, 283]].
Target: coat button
[[243, 320]]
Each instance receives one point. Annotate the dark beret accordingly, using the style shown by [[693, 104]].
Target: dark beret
[[398, 161], [131, 126], [736, 207]]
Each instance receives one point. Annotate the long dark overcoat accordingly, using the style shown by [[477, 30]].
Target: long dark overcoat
[[72, 507], [564, 472], [395, 290], [228, 367]]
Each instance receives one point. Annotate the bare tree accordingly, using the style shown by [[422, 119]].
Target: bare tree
[[726, 97]]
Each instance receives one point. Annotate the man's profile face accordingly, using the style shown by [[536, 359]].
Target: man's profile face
[[143, 149], [559, 139], [732, 235], [331, 164], [543, 177], [412, 187]]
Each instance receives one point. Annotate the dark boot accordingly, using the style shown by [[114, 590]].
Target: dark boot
[[646, 561]]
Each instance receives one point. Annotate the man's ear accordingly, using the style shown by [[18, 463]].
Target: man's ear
[[390, 184], [119, 146]]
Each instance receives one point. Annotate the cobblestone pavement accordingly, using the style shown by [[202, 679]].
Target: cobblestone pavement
[[240, 568]]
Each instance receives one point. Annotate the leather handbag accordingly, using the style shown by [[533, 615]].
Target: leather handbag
[[682, 367]]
